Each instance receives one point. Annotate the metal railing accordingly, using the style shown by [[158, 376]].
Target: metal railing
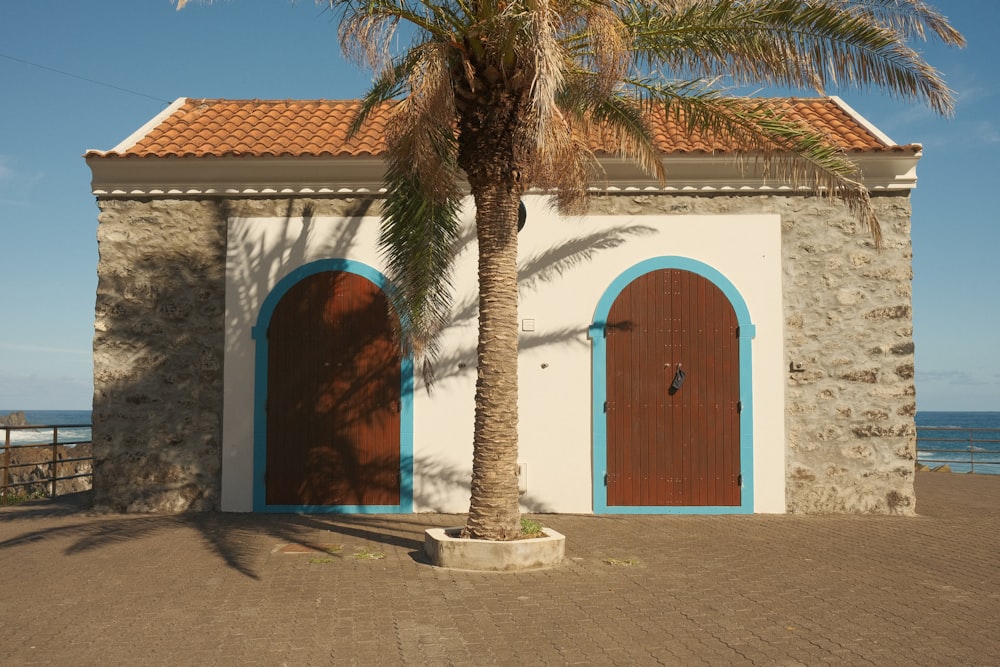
[[970, 448], [54, 462]]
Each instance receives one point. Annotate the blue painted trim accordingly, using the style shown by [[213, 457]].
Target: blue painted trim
[[259, 334], [747, 331]]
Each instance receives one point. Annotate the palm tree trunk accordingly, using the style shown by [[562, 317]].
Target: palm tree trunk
[[493, 508]]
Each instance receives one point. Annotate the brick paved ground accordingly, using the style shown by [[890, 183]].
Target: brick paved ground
[[225, 589]]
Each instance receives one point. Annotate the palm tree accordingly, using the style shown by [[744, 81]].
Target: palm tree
[[509, 94]]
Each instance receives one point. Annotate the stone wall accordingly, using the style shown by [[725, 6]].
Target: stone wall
[[158, 353], [159, 346], [850, 405]]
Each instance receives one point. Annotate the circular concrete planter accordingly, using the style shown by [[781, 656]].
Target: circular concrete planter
[[445, 550]]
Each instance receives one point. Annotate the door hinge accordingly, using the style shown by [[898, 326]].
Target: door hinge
[[605, 406], [739, 480], [605, 479], [739, 407]]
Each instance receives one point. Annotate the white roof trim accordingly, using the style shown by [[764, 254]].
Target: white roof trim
[[319, 176], [864, 122], [132, 139], [880, 171]]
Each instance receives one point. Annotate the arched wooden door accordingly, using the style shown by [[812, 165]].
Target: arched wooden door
[[333, 395], [672, 438]]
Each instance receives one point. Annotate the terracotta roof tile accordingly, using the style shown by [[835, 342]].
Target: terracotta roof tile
[[295, 128], [823, 114]]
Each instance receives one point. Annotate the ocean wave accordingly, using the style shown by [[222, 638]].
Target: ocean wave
[[43, 436]]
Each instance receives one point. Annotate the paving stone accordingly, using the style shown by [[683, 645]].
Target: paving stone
[[88, 589]]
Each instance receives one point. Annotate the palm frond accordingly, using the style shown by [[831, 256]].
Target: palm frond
[[626, 120], [784, 42], [368, 27], [388, 85], [910, 18], [420, 219], [417, 235], [421, 128], [549, 69], [782, 148], [607, 55]]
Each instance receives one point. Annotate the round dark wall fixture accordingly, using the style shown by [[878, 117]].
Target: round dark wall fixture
[[522, 215]]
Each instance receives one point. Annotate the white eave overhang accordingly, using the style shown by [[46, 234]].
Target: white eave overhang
[[235, 176]]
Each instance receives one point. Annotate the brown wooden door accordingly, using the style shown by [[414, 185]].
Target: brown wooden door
[[672, 447], [333, 382]]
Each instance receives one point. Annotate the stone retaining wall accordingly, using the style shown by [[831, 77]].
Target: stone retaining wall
[[29, 472], [159, 346]]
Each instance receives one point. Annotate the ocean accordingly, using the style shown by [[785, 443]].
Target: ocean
[[50, 418], [936, 431], [975, 434]]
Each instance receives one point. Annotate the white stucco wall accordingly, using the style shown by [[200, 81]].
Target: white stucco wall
[[555, 369]]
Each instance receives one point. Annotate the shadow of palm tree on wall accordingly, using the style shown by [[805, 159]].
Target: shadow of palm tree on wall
[[535, 270], [162, 424], [334, 395], [333, 369]]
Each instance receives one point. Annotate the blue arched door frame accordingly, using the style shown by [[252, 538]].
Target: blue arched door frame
[[746, 333], [259, 334]]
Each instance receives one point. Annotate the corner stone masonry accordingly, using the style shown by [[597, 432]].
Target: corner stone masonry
[[158, 354], [159, 345], [849, 412]]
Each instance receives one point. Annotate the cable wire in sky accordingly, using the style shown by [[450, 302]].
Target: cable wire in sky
[[83, 78]]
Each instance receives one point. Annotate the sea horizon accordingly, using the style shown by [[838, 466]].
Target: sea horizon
[[944, 437]]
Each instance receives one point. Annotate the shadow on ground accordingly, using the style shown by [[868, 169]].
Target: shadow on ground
[[235, 538], [240, 540]]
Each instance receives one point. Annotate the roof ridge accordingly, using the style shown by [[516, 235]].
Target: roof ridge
[[257, 100], [131, 140], [861, 120]]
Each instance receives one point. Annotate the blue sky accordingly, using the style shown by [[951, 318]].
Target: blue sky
[[277, 49]]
